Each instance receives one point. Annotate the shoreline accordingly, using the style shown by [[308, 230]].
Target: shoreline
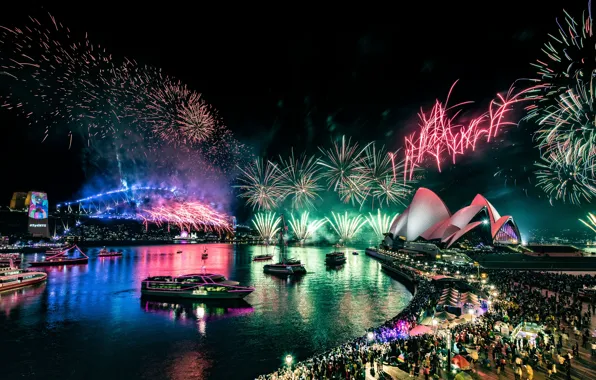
[[412, 285]]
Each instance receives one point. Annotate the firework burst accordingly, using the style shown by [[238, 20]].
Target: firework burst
[[190, 215], [267, 225], [377, 176], [380, 223], [441, 135], [340, 163], [591, 222], [346, 227], [304, 228], [261, 185], [299, 180], [566, 173]]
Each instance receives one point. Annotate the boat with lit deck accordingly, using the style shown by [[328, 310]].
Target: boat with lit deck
[[335, 258], [194, 286], [12, 278], [104, 252], [62, 258]]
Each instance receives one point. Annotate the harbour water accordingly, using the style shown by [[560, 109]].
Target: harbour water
[[89, 322]]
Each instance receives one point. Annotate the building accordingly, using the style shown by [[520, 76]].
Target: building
[[18, 201], [427, 219]]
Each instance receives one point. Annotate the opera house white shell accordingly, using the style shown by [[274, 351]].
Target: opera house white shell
[[428, 219]]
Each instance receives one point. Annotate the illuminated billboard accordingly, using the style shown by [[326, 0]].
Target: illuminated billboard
[[38, 214]]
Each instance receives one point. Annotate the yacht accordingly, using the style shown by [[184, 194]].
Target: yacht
[[6, 258], [194, 286], [285, 266], [335, 258], [62, 258], [12, 277], [104, 252]]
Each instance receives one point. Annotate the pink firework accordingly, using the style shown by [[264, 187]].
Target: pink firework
[[440, 135], [189, 215]]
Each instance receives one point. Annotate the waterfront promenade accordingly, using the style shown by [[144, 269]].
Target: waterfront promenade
[[537, 296]]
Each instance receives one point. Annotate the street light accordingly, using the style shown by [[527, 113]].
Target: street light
[[289, 360]]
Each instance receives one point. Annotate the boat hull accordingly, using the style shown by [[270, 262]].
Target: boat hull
[[284, 269], [189, 295], [110, 255], [335, 262], [267, 258], [61, 262], [17, 285]]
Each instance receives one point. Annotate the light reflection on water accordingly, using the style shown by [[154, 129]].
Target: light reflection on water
[[89, 321]]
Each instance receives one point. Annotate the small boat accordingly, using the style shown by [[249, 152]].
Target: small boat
[[355, 253], [286, 266], [61, 258], [178, 252], [7, 258], [205, 255], [105, 253], [194, 286], [12, 278], [262, 258], [335, 258]]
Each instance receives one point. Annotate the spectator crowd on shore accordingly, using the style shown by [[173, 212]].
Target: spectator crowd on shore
[[545, 299]]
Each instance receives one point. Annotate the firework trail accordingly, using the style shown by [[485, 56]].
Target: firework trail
[[591, 223], [299, 180], [267, 225], [346, 227], [304, 228], [261, 185], [567, 174], [440, 135], [340, 163], [380, 223], [189, 215]]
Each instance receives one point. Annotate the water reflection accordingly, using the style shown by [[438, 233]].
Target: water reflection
[[98, 305], [192, 311]]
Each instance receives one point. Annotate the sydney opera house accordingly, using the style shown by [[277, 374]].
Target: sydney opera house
[[428, 220]]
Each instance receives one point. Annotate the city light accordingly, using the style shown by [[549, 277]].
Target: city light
[[289, 359]]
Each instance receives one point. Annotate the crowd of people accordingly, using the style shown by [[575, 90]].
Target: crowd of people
[[519, 298]]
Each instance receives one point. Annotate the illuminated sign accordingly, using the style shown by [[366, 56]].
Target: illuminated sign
[[38, 214]]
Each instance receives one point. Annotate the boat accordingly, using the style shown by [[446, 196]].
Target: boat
[[12, 277], [265, 257], [285, 266], [205, 255], [6, 258], [178, 252], [194, 286], [105, 253], [355, 253], [335, 258], [62, 258]]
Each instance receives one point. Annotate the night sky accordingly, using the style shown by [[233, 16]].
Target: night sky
[[298, 77]]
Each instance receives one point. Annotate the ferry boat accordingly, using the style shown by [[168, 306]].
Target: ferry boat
[[265, 257], [285, 266], [12, 278], [7, 258], [105, 253], [194, 286], [62, 258], [335, 258]]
